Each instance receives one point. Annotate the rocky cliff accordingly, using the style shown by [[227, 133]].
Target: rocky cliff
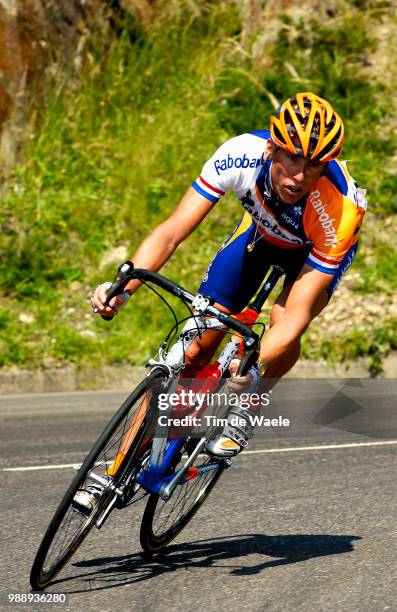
[[41, 39], [38, 40]]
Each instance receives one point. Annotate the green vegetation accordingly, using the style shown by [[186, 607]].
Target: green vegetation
[[114, 153], [375, 344]]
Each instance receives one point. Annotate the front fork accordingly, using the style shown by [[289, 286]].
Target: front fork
[[157, 475], [155, 478]]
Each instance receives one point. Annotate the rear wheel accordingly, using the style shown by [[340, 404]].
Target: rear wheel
[[114, 461], [164, 520]]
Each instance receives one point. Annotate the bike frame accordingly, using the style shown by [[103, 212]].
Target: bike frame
[[156, 477]]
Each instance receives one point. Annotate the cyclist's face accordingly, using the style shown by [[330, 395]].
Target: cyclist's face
[[293, 175]]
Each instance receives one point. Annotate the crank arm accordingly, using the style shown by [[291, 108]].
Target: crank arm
[[167, 490]]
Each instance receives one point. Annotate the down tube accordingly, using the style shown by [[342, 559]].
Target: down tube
[[152, 479]]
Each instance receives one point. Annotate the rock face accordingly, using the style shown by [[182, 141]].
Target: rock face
[[53, 38], [40, 38]]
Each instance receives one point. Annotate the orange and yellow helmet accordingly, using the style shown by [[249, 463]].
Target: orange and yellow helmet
[[307, 125]]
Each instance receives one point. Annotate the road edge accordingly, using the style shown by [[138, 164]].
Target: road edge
[[123, 377]]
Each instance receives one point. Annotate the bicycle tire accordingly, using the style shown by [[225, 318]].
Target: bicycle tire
[[44, 569], [153, 539]]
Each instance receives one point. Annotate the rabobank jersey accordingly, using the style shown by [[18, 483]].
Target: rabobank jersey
[[328, 217]]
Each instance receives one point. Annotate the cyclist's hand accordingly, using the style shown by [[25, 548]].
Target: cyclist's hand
[[237, 384], [98, 299]]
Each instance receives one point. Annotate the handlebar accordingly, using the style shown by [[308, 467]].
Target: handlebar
[[128, 272]]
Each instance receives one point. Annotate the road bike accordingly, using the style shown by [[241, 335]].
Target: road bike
[[138, 456]]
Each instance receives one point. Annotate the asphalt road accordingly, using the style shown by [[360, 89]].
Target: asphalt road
[[306, 522]]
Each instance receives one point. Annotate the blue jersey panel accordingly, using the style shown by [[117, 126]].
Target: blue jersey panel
[[226, 279], [343, 268]]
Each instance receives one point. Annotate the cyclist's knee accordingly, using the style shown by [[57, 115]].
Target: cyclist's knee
[[198, 354], [195, 356], [203, 349]]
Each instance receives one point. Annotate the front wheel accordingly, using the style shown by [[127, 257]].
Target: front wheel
[[163, 520], [118, 454]]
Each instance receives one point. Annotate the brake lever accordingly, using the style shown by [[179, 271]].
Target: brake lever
[[123, 277], [249, 359]]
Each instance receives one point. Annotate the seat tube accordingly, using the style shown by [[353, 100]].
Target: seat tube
[[160, 436]]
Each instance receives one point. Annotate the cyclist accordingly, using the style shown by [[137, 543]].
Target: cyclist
[[303, 211]]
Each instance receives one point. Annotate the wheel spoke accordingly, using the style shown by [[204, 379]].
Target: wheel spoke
[[71, 523], [163, 520]]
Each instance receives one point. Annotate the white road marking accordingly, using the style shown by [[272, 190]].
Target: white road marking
[[40, 467], [290, 449], [320, 447]]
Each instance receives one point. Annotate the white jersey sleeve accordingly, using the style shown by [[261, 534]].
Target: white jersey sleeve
[[233, 166]]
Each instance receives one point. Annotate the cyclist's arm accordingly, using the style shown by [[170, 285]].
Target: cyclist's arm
[[305, 300], [161, 243], [217, 176], [308, 294], [158, 247]]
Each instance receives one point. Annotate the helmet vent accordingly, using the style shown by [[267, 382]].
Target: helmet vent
[[308, 125]]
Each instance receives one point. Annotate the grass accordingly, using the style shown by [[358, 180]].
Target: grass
[[114, 153], [375, 344]]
